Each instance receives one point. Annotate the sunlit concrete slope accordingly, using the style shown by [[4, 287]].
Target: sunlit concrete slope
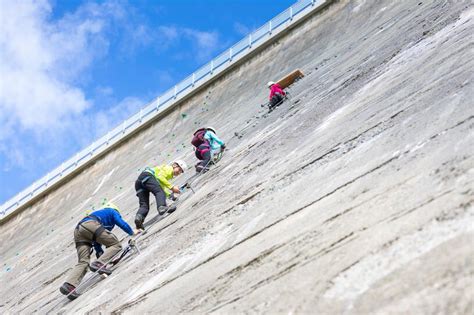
[[353, 197]]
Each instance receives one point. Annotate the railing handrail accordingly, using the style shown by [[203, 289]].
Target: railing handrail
[[160, 103]]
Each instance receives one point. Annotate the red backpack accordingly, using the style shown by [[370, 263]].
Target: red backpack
[[198, 137]]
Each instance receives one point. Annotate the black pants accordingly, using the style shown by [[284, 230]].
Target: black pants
[[144, 185], [277, 98]]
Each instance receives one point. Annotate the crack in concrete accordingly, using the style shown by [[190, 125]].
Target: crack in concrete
[[242, 202], [333, 246], [421, 205], [232, 274], [347, 145]]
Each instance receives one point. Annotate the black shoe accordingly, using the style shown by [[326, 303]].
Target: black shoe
[[198, 168], [100, 267], [171, 209], [69, 290], [162, 209], [66, 288], [139, 222], [201, 169]]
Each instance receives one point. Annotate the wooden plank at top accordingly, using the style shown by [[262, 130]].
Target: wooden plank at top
[[290, 78]]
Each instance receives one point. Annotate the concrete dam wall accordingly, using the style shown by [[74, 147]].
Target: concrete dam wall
[[355, 196]]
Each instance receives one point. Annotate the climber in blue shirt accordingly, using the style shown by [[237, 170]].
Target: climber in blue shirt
[[95, 230]]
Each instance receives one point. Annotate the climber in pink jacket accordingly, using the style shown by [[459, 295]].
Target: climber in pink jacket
[[276, 94]]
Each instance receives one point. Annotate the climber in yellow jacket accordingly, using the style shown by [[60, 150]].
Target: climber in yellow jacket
[[156, 180]]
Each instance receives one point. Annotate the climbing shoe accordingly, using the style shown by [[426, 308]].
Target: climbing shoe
[[69, 290], [171, 209], [201, 169], [139, 222], [162, 209], [100, 267]]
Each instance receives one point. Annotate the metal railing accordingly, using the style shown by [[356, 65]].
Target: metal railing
[[201, 76]]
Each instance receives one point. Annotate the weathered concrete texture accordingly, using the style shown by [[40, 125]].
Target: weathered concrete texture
[[354, 197]]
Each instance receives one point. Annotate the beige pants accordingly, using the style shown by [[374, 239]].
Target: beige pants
[[83, 238]]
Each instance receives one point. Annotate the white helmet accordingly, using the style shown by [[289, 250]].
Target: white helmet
[[211, 129], [270, 83], [181, 164]]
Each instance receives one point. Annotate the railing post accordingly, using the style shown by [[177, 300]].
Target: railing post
[[291, 13], [108, 138], [270, 27], [230, 54], [123, 126], [175, 91], [250, 40], [194, 78], [158, 103], [140, 115], [212, 66], [312, 2]]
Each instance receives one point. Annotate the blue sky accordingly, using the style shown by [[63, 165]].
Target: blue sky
[[72, 70]]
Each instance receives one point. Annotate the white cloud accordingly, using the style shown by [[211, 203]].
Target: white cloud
[[40, 62], [169, 33], [134, 38], [164, 77], [203, 40], [106, 120], [202, 44], [199, 44], [15, 155], [242, 29], [104, 90], [43, 61], [45, 115], [205, 43]]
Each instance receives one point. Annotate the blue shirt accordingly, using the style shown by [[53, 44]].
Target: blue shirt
[[110, 217], [214, 141]]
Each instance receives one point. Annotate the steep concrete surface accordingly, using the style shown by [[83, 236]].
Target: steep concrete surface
[[353, 197]]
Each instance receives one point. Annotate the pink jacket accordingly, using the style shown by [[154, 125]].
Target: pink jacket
[[276, 88]]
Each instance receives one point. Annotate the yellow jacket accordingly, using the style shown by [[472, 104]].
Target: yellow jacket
[[163, 174]]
